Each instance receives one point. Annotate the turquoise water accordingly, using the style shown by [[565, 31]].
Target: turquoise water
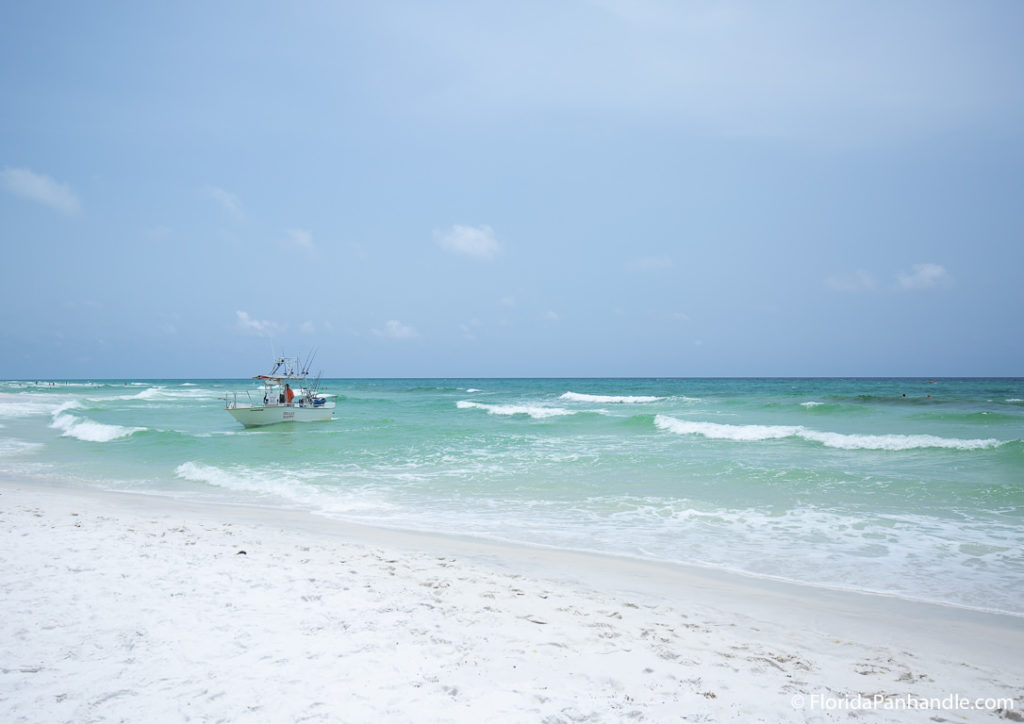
[[908, 487]]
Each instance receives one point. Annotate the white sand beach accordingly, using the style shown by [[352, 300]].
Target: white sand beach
[[135, 608]]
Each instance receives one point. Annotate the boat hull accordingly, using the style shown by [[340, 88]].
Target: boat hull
[[273, 414]]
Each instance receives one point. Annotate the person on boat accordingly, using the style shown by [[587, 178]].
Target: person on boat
[[288, 394]]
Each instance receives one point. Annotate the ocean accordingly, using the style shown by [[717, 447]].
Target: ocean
[[906, 487]]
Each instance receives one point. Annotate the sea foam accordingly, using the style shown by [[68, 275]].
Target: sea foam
[[86, 429], [25, 404], [614, 399], [754, 433], [10, 448], [243, 479], [534, 411], [281, 487]]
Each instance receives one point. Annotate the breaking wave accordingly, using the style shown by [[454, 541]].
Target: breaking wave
[[26, 404], [162, 393], [86, 429], [10, 448], [535, 411], [614, 399], [753, 433], [243, 479]]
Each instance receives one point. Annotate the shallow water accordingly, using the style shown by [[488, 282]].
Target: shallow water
[[903, 486]]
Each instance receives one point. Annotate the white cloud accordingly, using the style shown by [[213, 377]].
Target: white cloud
[[358, 250], [923, 277], [158, 233], [170, 322], [227, 200], [551, 316], [307, 328], [859, 281], [298, 239], [260, 327], [478, 242], [41, 189], [393, 329], [507, 302], [730, 69], [651, 263], [468, 327]]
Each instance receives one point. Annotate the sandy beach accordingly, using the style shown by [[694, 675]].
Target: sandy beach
[[137, 608]]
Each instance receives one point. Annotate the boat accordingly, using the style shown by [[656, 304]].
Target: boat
[[283, 395]]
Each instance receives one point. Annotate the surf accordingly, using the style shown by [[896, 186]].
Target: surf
[[843, 441]]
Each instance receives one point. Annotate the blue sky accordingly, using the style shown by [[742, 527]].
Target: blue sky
[[566, 188]]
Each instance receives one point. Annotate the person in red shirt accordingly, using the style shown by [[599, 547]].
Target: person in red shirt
[[288, 394]]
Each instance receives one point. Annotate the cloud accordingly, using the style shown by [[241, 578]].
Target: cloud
[[729, 69], [298, 239], [41, 189], [259, 327], [478, 242], [923, 277], [859, 281], [650, 263], [307, 328], [467, 328], [227, 200], [158, 233], [393, 329]]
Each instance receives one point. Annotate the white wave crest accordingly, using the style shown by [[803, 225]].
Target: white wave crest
[[718, 431], [247, 480], [811, 403], [753, 433], [86, 429], [12, 448], [157, 394], [617, 399], [239, 479], [27, 404], [162, 393], [534, 411]]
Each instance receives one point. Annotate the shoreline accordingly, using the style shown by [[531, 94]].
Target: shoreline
[[322, 523], [343, 622]]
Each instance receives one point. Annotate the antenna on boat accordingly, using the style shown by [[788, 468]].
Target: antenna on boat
[[309, 361]]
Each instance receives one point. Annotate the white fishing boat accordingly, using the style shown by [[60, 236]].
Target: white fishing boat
[[284, 395]]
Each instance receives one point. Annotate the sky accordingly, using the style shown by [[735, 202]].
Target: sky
[[567, 188]]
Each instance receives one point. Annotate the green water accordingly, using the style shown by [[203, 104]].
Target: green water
[[892, 485]]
